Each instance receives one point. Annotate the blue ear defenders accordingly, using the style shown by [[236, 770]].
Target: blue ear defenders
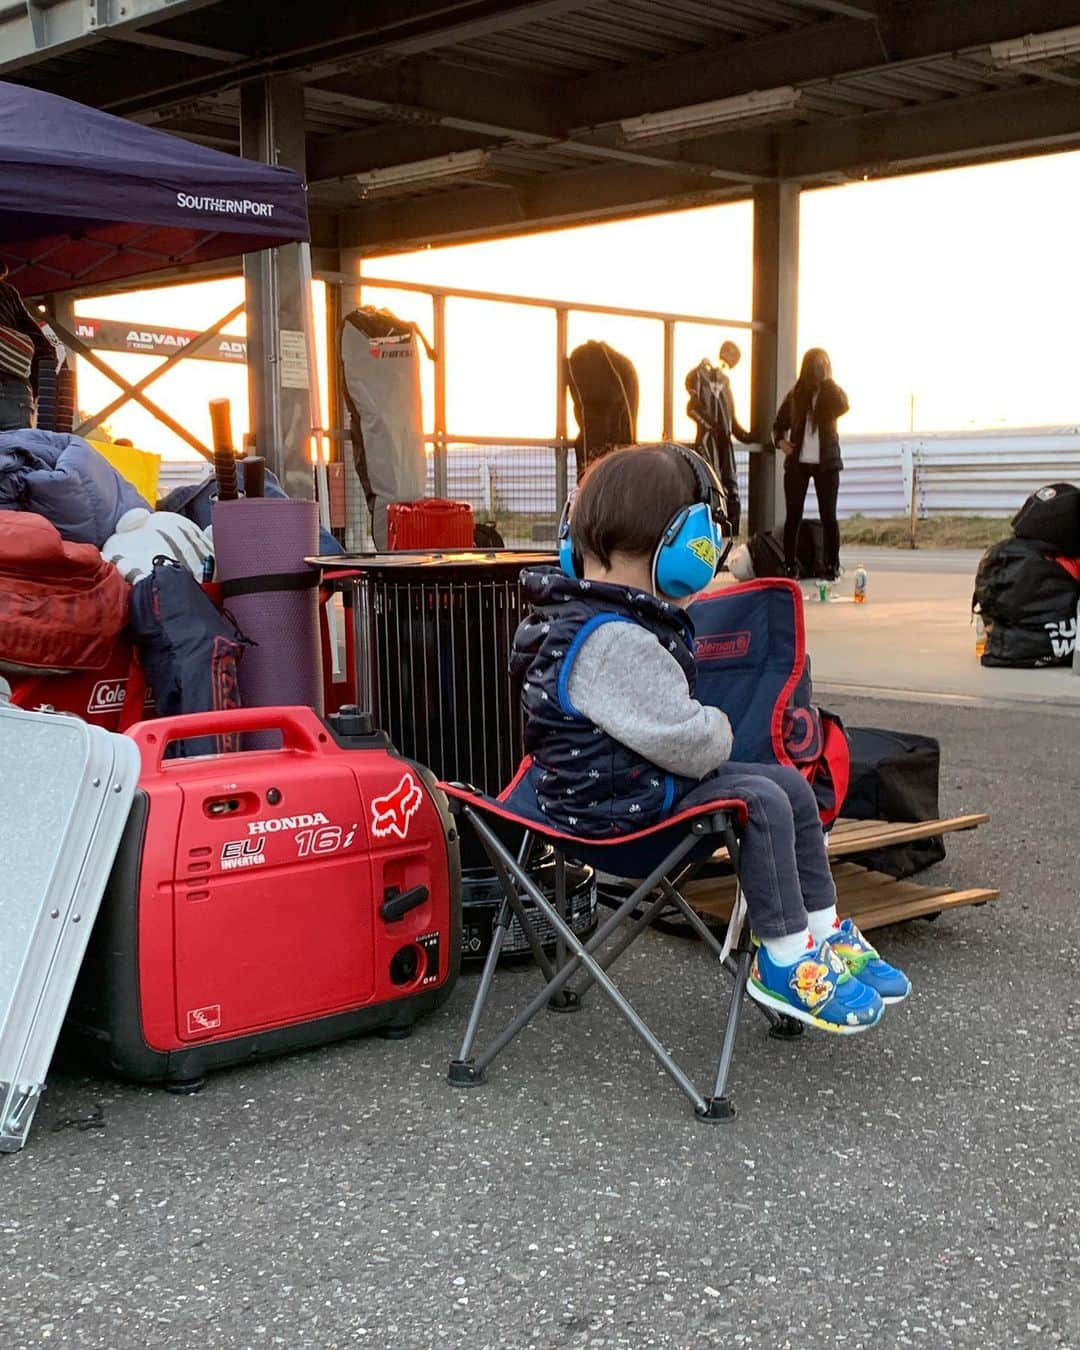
[[691, 548], [569, 558]]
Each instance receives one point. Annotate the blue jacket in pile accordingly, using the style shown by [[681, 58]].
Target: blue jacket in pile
[[587, 783]]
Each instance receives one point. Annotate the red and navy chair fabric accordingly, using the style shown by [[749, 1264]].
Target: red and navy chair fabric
[[750, 649], [626, 855]]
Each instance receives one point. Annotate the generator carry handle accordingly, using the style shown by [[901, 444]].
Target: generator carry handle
[[300, 729]]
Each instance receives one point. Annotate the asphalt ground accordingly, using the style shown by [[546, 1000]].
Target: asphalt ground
[[917, 1185]]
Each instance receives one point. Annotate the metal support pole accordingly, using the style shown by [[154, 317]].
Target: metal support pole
[[280, 389], [318, 439], [776, 282], [669, 379], [562, 450], [438, 305]]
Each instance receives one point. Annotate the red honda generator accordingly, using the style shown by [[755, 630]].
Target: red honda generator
[[268, 900]]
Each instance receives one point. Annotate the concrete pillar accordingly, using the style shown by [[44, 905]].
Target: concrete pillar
[[775, 303], [272, 131]]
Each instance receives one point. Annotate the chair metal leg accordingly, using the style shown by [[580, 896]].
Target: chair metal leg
[[462, 1071], [614, 920], [566, 1000], [510, 890], [696, 922], [611, 954], [720, 1106], [494, 847]]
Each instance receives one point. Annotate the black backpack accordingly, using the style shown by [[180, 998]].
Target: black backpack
[[1019, 582], [766, 555], [1028, 600]]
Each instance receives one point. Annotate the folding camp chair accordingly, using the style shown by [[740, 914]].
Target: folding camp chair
[[665, 856], [752, 662]]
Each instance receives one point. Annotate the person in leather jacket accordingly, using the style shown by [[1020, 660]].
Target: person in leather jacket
[[712, 407]]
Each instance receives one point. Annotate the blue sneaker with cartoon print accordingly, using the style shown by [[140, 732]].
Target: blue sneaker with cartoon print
[[817, 989], [862, 961]]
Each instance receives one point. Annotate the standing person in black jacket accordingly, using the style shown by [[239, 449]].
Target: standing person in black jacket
[[18, 397], [805, 430]]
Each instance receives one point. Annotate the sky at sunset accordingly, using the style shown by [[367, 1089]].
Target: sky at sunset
[[957, 289]]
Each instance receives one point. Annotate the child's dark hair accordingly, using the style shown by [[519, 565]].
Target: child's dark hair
[[627, 499]]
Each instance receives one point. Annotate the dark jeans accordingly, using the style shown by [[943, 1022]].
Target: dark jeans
[[16, 405], [784, 866], [797, 478]]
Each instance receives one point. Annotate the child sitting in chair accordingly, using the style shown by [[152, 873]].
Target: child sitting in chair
[[619, 742]]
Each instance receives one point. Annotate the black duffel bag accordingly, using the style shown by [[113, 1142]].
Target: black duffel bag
[[894, 776], [1052, 516]]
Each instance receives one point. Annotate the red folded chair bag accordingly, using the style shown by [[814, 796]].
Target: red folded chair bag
[[62, 605]]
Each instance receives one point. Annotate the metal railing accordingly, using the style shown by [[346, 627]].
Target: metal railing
[[442, 437]]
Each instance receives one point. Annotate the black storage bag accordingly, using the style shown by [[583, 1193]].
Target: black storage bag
[[1052, 516], [894, 776]]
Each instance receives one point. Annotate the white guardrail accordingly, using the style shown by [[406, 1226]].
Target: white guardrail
[[989, 474]]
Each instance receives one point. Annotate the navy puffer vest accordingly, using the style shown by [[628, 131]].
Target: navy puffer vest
[[586, 782]]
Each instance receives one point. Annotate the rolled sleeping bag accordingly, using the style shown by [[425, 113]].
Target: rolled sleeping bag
[[260, 544]]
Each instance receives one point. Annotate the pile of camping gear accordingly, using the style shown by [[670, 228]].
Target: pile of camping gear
[[1027, 587]]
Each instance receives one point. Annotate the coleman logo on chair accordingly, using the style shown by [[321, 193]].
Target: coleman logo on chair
[[286, 823], [722, 646], [391, 814]]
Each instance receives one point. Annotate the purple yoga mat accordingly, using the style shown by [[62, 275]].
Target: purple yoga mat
[[259, 541]]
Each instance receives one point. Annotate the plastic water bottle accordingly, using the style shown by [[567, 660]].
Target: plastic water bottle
[[861, 579], [980, 635]]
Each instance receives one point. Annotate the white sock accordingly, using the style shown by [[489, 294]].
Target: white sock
[[785, 951], [823, 923]]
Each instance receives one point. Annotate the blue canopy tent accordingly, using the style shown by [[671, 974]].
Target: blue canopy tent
[[90, 198]]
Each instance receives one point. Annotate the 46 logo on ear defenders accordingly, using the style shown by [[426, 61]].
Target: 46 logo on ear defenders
[[705, 549]]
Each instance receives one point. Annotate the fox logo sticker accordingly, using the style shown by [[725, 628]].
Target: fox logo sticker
[[391, 814]]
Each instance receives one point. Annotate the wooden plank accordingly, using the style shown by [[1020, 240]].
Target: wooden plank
[[886, 834], [872, 899], [913, 909], [864, 836]]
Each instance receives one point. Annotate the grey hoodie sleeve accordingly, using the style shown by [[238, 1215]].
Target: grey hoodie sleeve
[[627, 684]]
